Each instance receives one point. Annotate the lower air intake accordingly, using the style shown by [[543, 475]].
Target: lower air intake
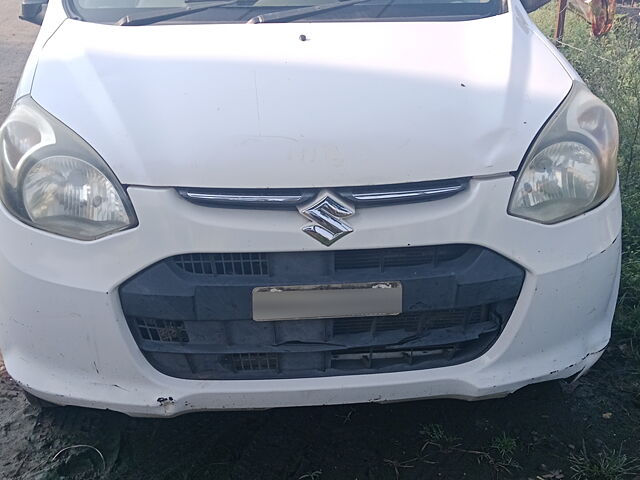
[[191, 315]]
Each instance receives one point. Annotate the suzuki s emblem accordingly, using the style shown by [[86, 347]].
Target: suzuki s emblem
[[327, 214]]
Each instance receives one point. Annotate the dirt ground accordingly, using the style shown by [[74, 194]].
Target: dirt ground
[[547, 431]]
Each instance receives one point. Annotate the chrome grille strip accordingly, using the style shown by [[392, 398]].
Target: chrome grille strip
[[249, 199], [405, 196], [290, 198]]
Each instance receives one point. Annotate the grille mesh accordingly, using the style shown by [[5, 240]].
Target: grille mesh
[[223, 263], [245, 362], [381, 259], [165, 331], [257, 264]]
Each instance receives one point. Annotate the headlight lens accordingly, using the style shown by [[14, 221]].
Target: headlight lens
[[53, 180], [571, 167]]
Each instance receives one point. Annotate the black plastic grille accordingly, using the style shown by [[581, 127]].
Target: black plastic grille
[[192, 317], [262, 350], [409, 322], [347, 360], [379, 259], [163, 331], [379, 358], [223, 263], [390, 257]]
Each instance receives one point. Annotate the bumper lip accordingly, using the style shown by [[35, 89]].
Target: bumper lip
[[170, 406], [561, 321]]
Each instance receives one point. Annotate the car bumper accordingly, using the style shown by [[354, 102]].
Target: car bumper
[[64, 337]]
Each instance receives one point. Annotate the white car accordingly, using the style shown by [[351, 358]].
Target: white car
[[266, 203]]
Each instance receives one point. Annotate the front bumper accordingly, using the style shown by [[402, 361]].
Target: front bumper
[[64, 337]]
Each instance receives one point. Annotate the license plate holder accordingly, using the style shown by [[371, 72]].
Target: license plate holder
[[300, 302]]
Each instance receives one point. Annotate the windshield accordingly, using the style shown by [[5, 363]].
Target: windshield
[[242, 11]]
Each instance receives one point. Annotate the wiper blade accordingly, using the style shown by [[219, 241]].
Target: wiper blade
[[167, 14], [295, 13]]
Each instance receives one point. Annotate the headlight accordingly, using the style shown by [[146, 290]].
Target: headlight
[[53, 180], [571, 166]]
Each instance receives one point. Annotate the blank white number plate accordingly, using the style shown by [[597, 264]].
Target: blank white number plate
[[327, 301]]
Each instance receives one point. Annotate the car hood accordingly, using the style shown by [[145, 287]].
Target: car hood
[[237, 105]]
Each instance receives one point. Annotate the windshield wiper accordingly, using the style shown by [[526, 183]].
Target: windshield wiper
[[295, 13], [167, 14]]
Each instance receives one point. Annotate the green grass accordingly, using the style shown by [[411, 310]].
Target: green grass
[[435, 434], [607, 465], [504, 445], [610, 65]]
